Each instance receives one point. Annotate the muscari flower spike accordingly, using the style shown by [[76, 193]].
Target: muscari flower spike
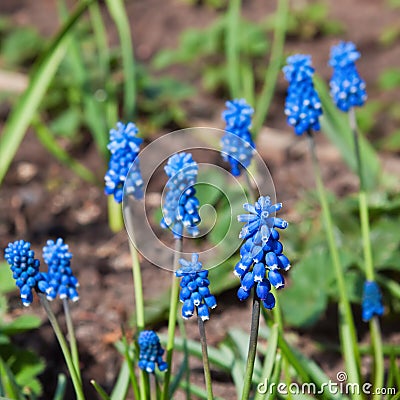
[[237, 144], [151, 352], [180, 209], [25, 269], [347, 88], [124, 146], [194, 289], [59, 276], [261, 255], [371, 301], [302, 105]]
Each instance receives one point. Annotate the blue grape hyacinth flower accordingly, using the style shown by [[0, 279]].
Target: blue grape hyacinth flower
[[150, 352], [302, 105], [195, 293], [261, 255], [237, 145], [371, 301], [59, 276], [180, 208], [124, 146], [347, 88], [25, 269]]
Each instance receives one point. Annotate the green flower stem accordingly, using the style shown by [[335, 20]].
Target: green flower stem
[[374, 326], [232, 47], [72, 339], [115, 220], [172, 318], [251, 355], [64, 347], [271, 76], [346, 323], [206, 363]]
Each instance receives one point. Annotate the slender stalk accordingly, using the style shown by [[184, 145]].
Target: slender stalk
[[172, 318], [232, 47], [251, 355], [272, 72], [374, 326], [115, 220], [64, 347], [72, 339], [206, 363], [346, 323], [249, 183]]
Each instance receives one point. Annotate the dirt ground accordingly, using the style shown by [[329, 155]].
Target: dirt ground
[[41, 199]]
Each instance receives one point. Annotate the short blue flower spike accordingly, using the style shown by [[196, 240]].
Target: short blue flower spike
[[180, 209], [347, 88], [302, 106], [194, 289], [124, 146], [237, 145], [261, 258], [150, 352], [25, 269], [371, 301], [59, 276]]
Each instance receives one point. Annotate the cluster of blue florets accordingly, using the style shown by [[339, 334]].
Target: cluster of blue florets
[[180, 209], [25, 269], [302, 106], [59, 276], [124, 146], [194, 289], [347, 88], [261, 255], [150, 352], [371, 301], [237, 144]]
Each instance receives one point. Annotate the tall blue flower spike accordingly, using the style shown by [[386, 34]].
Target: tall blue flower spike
[[302, 106], [371, 301], [237, 144], [150, 352], [124, 146], [261, 255], [194, 289], [59, 276], [180, 209], [347, 88], [25, 269]]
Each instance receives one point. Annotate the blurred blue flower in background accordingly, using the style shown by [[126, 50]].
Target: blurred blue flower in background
[[124, 146], [261, 255], [194, 289], [347, 88], [59, 276], [25, 269], [180, 208], [371, 301], [302, 106], [237, 144], [150, 352]]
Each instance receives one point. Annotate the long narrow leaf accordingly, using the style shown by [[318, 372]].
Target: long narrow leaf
[[61, 387], [27, 105], [121, 387], [336, 127], [117, 11]]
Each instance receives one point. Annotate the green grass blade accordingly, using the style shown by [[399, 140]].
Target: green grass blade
[[121, 387], [61, 386], [27, 105], [50, 144], [271, 76], [336, 127], [117, 11], [232, 47], [101, 392]]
